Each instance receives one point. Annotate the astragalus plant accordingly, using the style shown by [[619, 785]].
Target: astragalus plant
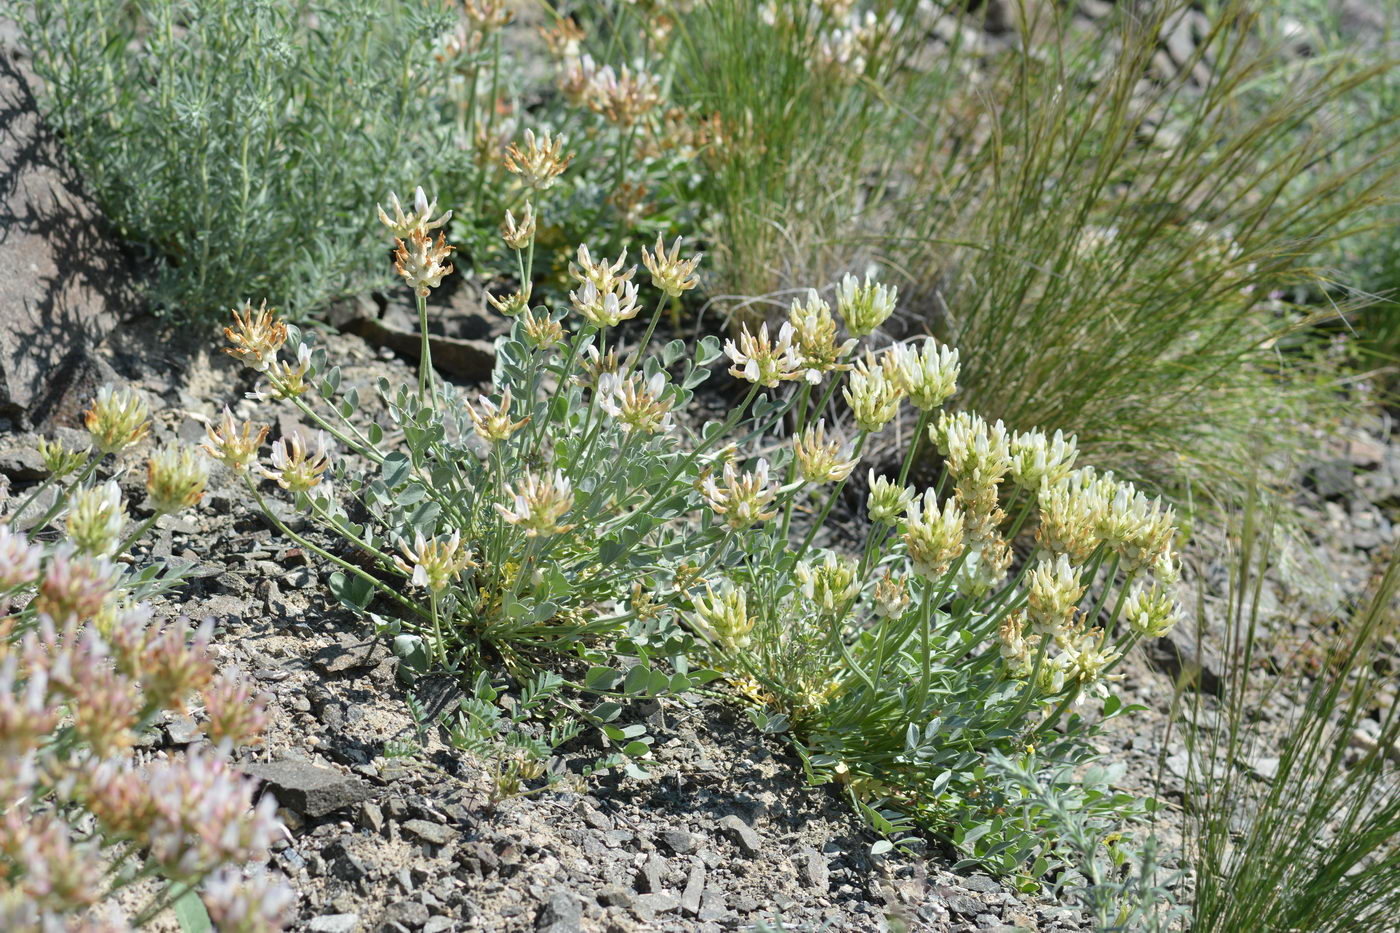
[[84, 670], [579, 511]]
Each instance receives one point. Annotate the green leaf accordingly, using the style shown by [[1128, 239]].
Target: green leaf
[[395, 469], [881, 846], [601, 678], [635, 749], [353, 591], [190, 912]]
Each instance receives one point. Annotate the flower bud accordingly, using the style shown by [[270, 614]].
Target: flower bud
[[542, 332], [864, 307], [933, 537], [420, 261], [540, 162], [820, 461], [175, 479], [95, 519], [1054, 596], [74, 587], [59, 460], [234, 445], [887, 501], [493, 421], [1150, 611], [540, 505], [872, 394], [116, 420], [519, 235], [670, 273], [929, 377], [418, 221], [434, 564], [829, 585], [1036, 460], [724, 616], [295, 467]]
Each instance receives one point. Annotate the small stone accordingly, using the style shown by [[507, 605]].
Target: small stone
[[678, 841], [814, 870], [982, 884], [435, 833], [411, 914], [964, 905], [694, 890], [654, 904], [308, 789], [652, 877], [182, 730], [334, 923], [743, 834], [437, 925], [372, 817], [561, 913], [614, 895]]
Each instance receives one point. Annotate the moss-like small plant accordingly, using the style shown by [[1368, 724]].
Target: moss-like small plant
[[574, 515], [84, 671]]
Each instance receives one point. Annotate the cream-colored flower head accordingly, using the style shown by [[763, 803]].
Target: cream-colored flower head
[[639, 404], [872, 393], [829, 584], [420, 261], [286, 380], [744, 499], [232, 444], [605, 309], [297, 467], [518, 235], [887, 501], [977, 454], [540, 163], [891, 598], [603, 275], [434, 563], [175, 479], [929, 375], [59, 459], [517, 302], [864, 307], [593, 367], [117, 419], [256, 336], [723, 617], [1037, 460], [814, 337], [95, 519], [1016, 651], [539, 504], [420, 220], [1069, 515], [1053, 596], [820, 460], [493, 422], [762, 360], [1150, 611], [669, 272], [933, 535], [541, 331]]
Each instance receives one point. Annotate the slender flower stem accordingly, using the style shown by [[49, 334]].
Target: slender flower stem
[[425, 357], [135, 536]]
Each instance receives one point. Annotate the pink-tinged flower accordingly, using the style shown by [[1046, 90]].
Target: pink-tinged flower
[[120, 797], [177, 666], [105, 707], [205, 818], [237, 713], [25, 712], [56, 874], [19, 560], [247, 905], [128, 633], [74, 587]]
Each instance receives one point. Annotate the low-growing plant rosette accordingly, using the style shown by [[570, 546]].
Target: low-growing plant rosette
[[575, 514], [85, 670]]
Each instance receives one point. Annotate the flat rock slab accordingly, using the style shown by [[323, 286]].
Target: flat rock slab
[[64, 282], [308, 789]]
